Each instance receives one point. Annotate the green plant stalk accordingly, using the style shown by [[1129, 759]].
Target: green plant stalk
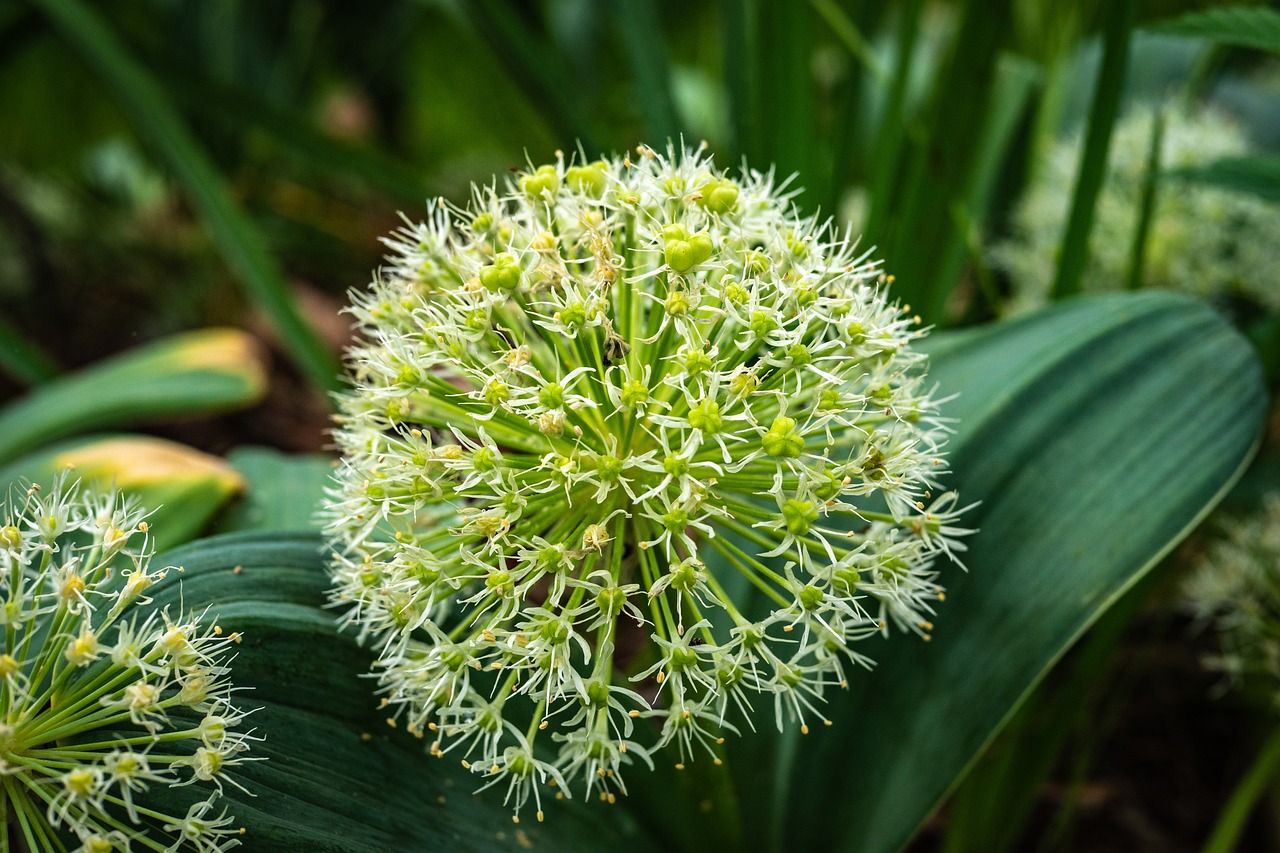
[[158, 123], [641, 34], [1093, 159], [1235, 814], [1147, 204]]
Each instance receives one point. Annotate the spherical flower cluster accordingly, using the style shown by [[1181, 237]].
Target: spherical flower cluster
[[98, 702], [1201, 240], [632, 446], [1236, 588]]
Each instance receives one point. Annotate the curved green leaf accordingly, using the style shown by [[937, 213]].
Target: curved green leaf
[[183, 487], [337, 778], [1094, 435], [211, 370], [1243, 26]]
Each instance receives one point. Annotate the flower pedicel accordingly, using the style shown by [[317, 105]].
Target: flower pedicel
[[631, 448]]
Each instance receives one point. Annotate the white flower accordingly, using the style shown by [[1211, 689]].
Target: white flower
[[1202, 240], [79, 672], [1236, 588], [581, 402]]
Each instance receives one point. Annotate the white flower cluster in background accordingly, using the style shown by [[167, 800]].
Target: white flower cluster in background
[[99, 702], [1201, 240], [1236, 589], [632, 449]]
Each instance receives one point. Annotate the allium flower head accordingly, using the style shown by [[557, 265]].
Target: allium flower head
[[632, 448], [1202, 240], [98, 702]]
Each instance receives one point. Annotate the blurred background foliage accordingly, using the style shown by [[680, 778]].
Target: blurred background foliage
[[175, 164]]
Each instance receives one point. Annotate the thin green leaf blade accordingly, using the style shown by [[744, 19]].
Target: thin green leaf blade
[[337, 778], [1117, 33], [1257, 175], [639, 29], [1242, 26], [156, 121], [194, 373], [1095, 436]]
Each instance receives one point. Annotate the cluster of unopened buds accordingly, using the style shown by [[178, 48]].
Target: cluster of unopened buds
[[101, 697], [631, 448]]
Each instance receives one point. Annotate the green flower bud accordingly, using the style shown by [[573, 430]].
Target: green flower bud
[[551, 396], [591, 179], [697, 362], [542, 182], [799, 515], [683, 255], [719, 196], [706, 417], [810, 597], [677, 303], [503, 274], [635, 393], [783, 439]]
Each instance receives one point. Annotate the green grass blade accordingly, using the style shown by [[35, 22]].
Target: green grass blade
[[247, 110], [156, 121], [533, 64], [787, 106], [1231, 822], [939, 172], [1242, 26], [741, 73], [1066, 431], [851, 37], [182, 376], [889, 149], [1093, 158]]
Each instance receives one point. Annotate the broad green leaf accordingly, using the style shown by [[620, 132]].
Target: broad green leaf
[[1094, 434], [1258, 175], [337, 778], [283, 491], [1243, 26], [183, 487], [211, 370]]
